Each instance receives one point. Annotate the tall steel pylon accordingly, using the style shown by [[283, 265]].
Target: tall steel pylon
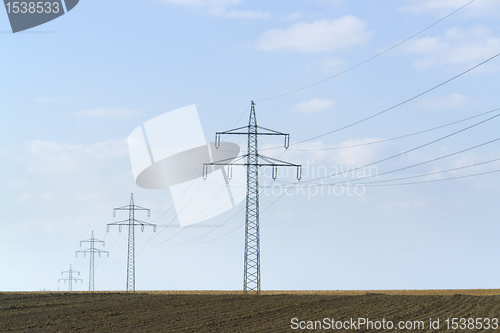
[[70, 278], [92, 250], [251, 275], [131, 222]]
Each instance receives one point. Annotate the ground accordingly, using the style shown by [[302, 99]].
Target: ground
[[217, 311]]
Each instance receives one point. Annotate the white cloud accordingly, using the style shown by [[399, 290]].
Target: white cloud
[[87, 196], [329, 2], [329, 65], [293, 16], [219, 8], [75, 185], [443, 7], [63, 177], [24, 197], [223, 12], [53, 100], [320, 35], [360, 155], [55, 157], [105, 112], [314, 105], [47, 196], [448, 102], [455, 47], [204, 3], [18, 182], [402, 205]]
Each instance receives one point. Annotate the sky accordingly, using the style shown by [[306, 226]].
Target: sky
[[73, 90]]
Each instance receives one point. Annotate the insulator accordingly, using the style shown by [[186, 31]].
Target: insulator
[[154, 228], [149, 212], [299, 172], [229, 171], [287, 141], [217, 140], [119, 228], [142, 227], [107, 228], [275, 172], [205, 171], [84, 254], [108, 254], [114, 212]]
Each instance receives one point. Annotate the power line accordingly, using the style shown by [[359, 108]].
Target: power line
[[222, 224], [262, 211], [399, 104], [409, 150], [286, 189], [413, 183], [183, 229], [406, 101], [413, 149], [436, 180], [369, 59], [173, 219], [219, 226], [394, 138], [373, 162], [433, 173], [366, 184], [411, 166]]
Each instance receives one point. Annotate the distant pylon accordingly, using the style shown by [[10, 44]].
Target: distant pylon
[[70, 278], [251, 275], [131, 223], [92, 250]]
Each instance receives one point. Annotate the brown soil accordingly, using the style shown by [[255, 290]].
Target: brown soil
[[218, 311]]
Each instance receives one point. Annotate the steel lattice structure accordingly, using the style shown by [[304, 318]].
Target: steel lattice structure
[[131, 223], [251, 276], [92, 250], [70, 278]]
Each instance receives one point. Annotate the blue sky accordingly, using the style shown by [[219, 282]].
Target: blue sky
[[73, 90]]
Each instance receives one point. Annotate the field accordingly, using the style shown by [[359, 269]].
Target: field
[[220, 311]]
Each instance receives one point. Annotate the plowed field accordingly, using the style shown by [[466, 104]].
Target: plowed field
[[236, 312]]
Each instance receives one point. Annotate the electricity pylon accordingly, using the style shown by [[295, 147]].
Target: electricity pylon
[[131, 222], [92, 250], [251, 275], [70, 278]]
